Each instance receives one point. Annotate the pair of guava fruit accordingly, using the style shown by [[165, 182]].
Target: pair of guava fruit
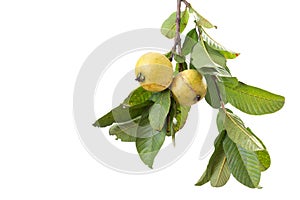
[[154, 71]]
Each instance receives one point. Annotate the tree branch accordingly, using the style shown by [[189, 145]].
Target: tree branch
[[177, 40], [178, 20]]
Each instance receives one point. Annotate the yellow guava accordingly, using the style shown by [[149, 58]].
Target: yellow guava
[[154, 72], [188, 87]]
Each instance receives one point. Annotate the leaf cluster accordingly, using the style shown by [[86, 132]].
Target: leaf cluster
[[145, 118], [237, 150]]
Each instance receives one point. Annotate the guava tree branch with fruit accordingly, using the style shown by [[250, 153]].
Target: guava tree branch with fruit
[[159, 108]]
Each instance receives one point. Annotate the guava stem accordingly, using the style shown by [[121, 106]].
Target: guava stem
[[214, 77]]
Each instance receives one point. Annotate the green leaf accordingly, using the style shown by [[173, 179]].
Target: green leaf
[[122, 113], [126, 132], [237, 131], [168, 27], [179, 59], [201, 21], [221, 121], [183, 67], [132, 106], [192, 66], [214, 88], [233, 81], [203, 179], [216, 57], [170, 117], [264, 159], [201, 59], [215, 45], [176, 118], [262, 155], [212, 168], [253, 100], [155, 96], [169, 55], [220, 171], [159, 110], [139, 95], [189, 42], [256, 137], [180, 117], [243, 164], [149, 141], [184, 20]]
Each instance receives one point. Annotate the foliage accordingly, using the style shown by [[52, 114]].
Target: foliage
[[146, 118]]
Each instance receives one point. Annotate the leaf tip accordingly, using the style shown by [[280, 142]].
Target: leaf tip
[[199, 183], [174, 144], [150, 166], [96, 124]]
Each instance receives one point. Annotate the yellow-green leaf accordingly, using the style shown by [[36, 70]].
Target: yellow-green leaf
[[137, 96], [264, 159], [201, 21], [215, 168], [252, 100], [237, 131], [243, 164], [168, 27], [217, 46], [220, 172]]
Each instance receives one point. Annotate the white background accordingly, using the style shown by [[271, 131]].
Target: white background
[[42, 47]]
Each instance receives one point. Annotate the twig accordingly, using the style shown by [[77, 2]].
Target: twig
[[177, 39], [187, 3], [214, 77], [178, 20]]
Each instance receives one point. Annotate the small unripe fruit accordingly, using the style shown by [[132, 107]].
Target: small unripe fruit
[[154, 71], [188, 87]]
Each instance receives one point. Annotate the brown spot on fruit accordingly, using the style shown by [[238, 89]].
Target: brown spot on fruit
[[140, 78]]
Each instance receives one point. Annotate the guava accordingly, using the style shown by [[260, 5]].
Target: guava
[[154, 72], [188, 87]]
